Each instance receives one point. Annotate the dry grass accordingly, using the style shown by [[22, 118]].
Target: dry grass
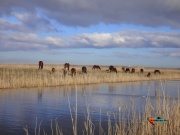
[[134, 123], [166, 107], [24, 76]]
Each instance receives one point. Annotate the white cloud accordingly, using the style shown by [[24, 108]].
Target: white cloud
[[54, 41], [125, 39], [133, 39], [164, 52]]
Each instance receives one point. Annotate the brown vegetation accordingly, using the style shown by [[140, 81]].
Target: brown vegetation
[[19, 76], [128, 121]]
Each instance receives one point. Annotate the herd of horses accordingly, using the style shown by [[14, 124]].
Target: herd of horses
[[97, 67]]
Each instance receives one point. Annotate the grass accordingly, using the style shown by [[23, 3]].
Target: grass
[[26, 76]]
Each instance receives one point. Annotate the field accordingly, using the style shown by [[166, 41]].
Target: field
[[28, 75]]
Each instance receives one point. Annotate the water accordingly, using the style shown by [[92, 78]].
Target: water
[[34, 107]]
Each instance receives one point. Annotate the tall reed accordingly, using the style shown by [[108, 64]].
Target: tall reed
[[25, 76], [129, 121]]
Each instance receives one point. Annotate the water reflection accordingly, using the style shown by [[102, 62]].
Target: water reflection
[[22, 107], [111, 87], [39, 94]]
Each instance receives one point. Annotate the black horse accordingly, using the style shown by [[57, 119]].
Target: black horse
[[157, 71], [141, 70], [40, 64], [149, 74], [84, 69], [112, 69], [127, 70]]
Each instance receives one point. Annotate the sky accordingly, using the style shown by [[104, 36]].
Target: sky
[[88, 32]]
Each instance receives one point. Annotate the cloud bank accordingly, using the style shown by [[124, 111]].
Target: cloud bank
[[89, 12], [124, 39], [24, 22]]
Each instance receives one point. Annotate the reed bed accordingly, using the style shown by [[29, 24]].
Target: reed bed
[[128, 121], [138, 125], [25, 76]]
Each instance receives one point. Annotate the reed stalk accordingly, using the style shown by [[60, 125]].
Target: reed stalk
[[130, 121], [26, 76]]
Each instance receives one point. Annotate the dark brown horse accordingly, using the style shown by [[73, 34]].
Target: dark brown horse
[[84, 69], [132, 70], [53, 70], [141, 70], [96, 67], [157, 71], [149, 74], [127, 70], [123, 69], [40, 65], [112, 69], [73, 71], [67, 65]]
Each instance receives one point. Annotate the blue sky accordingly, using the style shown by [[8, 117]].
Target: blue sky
[[117, 32]]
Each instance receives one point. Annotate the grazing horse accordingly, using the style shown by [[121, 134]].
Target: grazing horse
[[149, 74], [141, 70], [127, 70], [132, 70], [96, 67], [40, 65], [73, 71], [112, 69], [84, 69], [123, 69], [67, 65], [53, 70], [156, 71]]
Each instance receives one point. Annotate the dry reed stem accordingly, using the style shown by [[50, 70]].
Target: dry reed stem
[[25, 76], [136, 123]]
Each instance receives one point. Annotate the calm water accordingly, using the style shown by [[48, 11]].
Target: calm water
[[20, 108]]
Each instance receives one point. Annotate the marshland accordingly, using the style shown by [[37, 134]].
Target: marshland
[[27, 76], [36, 102]]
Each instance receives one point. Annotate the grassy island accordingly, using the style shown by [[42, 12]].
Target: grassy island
[[28, 75]]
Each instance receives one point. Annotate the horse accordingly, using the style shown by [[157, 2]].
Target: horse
[[96, 67], [40, 65], [123, 69], [84, 69], [149, 74], [156, 71], [73, 71], [53, 70], [141, 70], [132, 70], [112, 69], [67, 65], [127, 70]]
